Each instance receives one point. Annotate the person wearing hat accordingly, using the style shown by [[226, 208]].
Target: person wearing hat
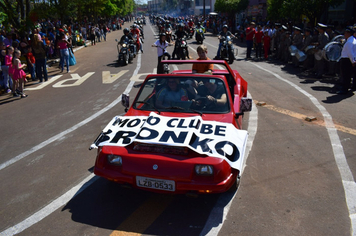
[[286, 55], [331, 64], [323, 39], [298, 42], [330, 31], [282, 38], [250, 33], [347, 62], [307, 41]]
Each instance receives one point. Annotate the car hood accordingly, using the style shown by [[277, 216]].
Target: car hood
[[209, 137]]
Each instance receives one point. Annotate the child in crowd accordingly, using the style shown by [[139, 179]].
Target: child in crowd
[[266, 44], [31, 63], [18, 76], [6, 69]]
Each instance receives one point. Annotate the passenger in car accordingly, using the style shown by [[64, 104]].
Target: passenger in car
[[192, 86], [202, 51], [172, 92]]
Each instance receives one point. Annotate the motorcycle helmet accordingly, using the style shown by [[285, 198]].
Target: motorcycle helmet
[[162, 34], [225, 26], [126, 30], [198, 24]]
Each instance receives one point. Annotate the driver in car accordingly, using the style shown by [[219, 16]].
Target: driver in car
[[173, 92], [215, 94]]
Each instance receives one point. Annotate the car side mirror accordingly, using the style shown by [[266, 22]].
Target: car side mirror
[[245, 105], [125, 100]]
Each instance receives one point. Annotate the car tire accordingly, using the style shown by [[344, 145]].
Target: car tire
[[235, 185]]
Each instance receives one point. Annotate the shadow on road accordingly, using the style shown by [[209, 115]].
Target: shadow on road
[[107, 205]]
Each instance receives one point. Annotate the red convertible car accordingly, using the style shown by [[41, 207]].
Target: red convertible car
[[182, 133]]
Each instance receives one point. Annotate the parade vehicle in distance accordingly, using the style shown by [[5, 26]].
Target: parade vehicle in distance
[[190, 145]]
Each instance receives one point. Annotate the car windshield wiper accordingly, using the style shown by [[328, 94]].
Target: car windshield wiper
[[181, 108], [150, 105], [199, 112], [175, 108]]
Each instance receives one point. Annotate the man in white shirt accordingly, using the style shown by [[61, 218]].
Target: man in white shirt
[[347, 61]]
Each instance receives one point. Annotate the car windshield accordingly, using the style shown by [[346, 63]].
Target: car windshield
[[183, 94]]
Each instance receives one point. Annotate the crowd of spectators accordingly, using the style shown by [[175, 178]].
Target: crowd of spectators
[[40, 44], [279, 41]]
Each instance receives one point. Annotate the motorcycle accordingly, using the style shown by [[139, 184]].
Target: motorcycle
[[137, 40], [181, 48], [227, 49], [190, 32], [169, 35], [199, 35], [126, 51], [163, 68]]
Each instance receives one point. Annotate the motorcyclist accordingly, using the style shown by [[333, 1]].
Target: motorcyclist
[[190, 24], [136, 31], [199, 26], [126, 36], [224, 33], [180, 33]]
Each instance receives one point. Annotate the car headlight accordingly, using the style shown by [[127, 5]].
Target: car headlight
[[204, 170], [115, 160]]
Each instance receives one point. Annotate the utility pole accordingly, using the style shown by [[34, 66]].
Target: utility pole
[[204, 8]]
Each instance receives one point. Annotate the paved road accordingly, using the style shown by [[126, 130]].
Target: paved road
[[298, 180]]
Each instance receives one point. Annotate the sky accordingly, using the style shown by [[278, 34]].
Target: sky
[[141, 1]]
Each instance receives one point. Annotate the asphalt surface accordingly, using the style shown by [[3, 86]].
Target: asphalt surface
[[298, 179]]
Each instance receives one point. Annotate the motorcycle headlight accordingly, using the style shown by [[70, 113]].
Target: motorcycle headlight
[[124, 45], [229, 42]]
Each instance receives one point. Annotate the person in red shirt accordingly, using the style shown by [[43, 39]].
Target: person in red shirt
[[191, 24], [31, 62], [258, 38], [266, 43], [136, 31], [250, 32]]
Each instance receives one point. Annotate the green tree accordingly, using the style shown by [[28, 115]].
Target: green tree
[[231, 6], [21, 13], [15, 13], [295, 9]]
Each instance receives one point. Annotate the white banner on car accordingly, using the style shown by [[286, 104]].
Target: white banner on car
[[211, 138]]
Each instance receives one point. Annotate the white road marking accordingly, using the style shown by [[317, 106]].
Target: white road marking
[[44, 84], [348, 181], [76, 78], [53, 206], [214, 222], [109, 78], [57, 203]]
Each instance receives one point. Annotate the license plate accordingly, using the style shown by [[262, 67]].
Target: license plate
[[161, 184]]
